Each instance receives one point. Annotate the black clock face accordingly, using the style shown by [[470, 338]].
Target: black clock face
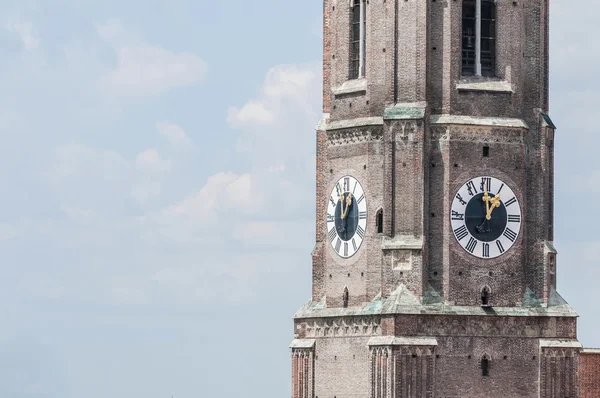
[[486, 217], [347, 217], [346, 226], [477, 223]]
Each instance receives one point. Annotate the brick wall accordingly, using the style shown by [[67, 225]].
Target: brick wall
[[589, 374]]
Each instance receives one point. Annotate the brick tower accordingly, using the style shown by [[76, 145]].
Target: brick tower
[[434, 271]]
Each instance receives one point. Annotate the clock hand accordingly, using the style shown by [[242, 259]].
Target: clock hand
[[348, 203], [495, 203]]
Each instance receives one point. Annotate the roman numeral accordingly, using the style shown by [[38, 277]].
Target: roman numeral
[[471, 188], [332, 234], [471, 245], [457, 216], [361, 198], [510, 202], [486, 184], [346, 184], [338, 245], [514, 218], [360, 231], [500, 247], [502, 186], [354, 244], [354, 189], [510, 234], [332, 202], [461, 200], [362, 215], [339, 189], [330, 218], [485, 250], [345, 249], [461, 232]]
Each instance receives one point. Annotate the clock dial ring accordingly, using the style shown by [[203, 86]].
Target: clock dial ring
[[346, 216], [486, 217]]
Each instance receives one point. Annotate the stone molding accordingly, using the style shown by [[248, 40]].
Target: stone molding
[[361, 326], [353, 136], [478, 134]]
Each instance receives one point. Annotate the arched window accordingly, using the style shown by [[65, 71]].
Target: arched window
[[479, 38], [358, 39], [379, 221], [485, 366], [485, 297], [345, 297]]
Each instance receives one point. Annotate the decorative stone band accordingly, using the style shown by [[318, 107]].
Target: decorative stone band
[[340, 327], [402, 341]]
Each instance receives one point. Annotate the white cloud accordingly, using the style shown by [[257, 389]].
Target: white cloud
[[26, 32], [150, 161], [253, 112], [295, 85], [223, 192], [143, 69], [173, 132]]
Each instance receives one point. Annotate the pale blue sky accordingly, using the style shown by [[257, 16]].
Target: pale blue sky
[[157, 165]]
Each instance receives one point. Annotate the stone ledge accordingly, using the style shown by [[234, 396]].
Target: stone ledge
[[479, 121], [485, 86], [302, 343], [591, 351], [393, 340], [402, 242], [350, 87], [350, 123], [560, 343]]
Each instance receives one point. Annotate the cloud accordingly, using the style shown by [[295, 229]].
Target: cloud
[[143, 69], [150, 161], [253, 112], [173, 132], [292, 85], [223, 192], [26, 32]]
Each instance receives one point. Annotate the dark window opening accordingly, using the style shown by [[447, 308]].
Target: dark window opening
[[485, 297], [486, 151], [379, 221], [485, 366], [345, 297], [488, 38], [468, 38], [486, 64], [357, 49]]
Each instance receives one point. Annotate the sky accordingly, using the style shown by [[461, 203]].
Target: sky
[[157, 160]]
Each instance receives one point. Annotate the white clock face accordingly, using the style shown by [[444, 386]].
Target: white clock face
[[486, 217], [347, 216]]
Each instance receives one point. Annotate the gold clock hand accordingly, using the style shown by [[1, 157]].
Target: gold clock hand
[[495, 203], [486, 198], [348, 203]]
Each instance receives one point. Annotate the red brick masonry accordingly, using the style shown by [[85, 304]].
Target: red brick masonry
[[589, 373]]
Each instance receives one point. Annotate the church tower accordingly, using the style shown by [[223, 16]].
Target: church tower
[[434, 270]]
